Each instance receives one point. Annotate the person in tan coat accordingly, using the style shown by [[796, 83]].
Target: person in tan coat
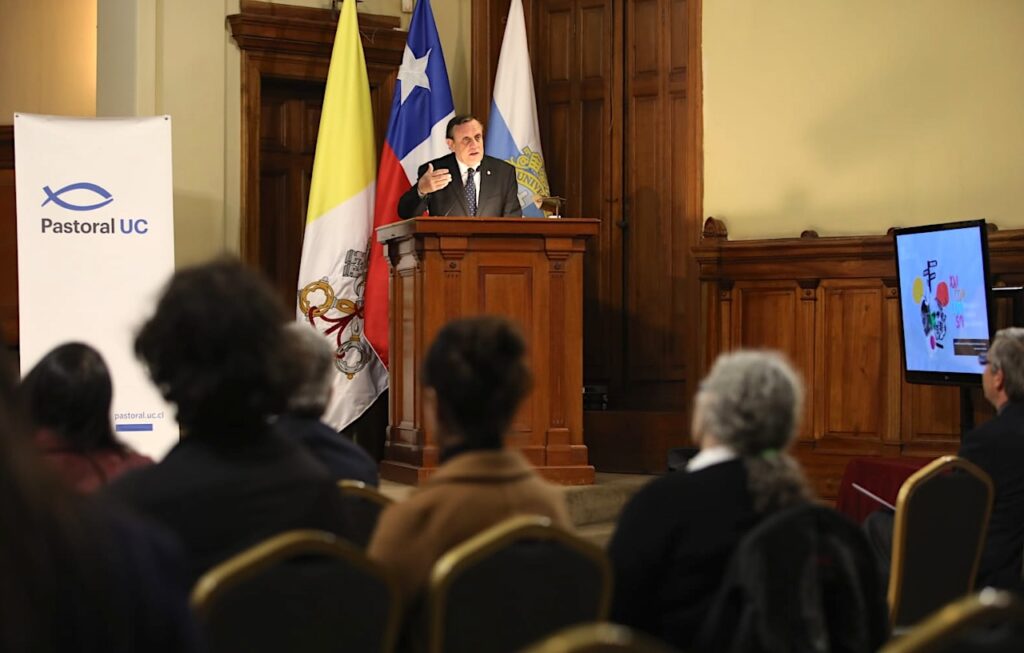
[[475, 377]]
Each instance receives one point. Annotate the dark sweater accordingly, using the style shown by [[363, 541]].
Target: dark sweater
[[221, 495], [672, 545], [343, 458], [997, 446]]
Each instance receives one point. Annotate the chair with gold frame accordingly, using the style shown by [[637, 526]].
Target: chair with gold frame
[[362, 505], [990, 621], [298, 591], [512, 585], [940, 523], [599, 638]]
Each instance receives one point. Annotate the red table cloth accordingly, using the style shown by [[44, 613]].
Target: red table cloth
[[880, 476]]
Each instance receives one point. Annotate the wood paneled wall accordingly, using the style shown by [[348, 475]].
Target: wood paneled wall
[[831, 305], [8, 240], [619, 106]]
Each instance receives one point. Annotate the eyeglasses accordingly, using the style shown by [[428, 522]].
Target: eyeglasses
[[983, 359]]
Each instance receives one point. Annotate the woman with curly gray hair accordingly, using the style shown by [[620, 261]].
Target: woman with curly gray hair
[[676, 536]]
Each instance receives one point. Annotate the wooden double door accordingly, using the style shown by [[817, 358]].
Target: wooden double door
[[618, 91]]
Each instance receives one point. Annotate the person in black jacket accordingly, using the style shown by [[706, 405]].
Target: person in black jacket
[[217, 350], [465, 182], [676, 536], [997, 446], [343, 458]]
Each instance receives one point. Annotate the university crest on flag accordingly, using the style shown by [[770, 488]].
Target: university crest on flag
[[512, 130]]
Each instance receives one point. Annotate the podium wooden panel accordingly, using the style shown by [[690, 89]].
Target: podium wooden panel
[[529, 270]]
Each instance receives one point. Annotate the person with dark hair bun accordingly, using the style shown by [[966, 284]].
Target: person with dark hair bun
[[76, 575], [217, 350], [474, 376], [67, 395]]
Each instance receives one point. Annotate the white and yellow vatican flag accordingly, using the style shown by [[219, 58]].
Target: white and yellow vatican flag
[[339, 222]]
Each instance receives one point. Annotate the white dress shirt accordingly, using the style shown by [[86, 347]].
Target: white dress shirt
[[710, 456]]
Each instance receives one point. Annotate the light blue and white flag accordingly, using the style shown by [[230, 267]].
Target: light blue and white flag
[[512, 132]]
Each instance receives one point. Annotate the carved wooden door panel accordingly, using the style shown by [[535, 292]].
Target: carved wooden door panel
[[658, 270], [289, 118], [615, 82], [579, 98]]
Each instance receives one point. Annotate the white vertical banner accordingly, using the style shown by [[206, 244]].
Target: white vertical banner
[[95, 247]]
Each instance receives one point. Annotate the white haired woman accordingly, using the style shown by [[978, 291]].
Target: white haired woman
[[676, 536]]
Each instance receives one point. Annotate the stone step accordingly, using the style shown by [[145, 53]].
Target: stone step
[[593, 508], [602, 502], [598, 534]]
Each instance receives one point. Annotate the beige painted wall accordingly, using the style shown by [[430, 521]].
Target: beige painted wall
[[851, 117], [47, 57], [157, 57]]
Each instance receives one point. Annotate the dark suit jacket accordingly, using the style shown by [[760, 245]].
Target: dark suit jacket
[[221, 495], [672, 545], [498, 188], [343, 458], [997, 446]]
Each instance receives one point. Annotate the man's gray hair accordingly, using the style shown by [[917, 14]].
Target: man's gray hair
[[751, 403], [314, 361], [1006, 354]]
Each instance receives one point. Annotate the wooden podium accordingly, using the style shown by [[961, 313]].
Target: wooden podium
[[529, 270]]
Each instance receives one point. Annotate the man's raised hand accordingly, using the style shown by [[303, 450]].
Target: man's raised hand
[[433, 180]]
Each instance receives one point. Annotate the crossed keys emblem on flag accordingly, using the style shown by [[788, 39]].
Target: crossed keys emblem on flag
[[351, 355]]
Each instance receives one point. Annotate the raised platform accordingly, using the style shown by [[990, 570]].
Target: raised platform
[[594, 508]]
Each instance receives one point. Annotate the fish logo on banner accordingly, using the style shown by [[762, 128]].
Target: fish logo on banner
[[99, 191], [512, 131], [81, 197]]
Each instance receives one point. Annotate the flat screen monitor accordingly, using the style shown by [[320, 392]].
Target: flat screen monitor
[[945, 301]]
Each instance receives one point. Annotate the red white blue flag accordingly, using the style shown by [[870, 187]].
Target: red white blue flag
[[420, 111]]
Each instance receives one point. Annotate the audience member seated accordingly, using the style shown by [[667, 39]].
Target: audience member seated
[[474, 378], [675, 537], [217, 350], [67, 396], [315, 368], [997, 447], [75, 576]]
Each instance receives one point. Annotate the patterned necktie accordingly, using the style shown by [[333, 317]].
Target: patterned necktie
[[471, 191]]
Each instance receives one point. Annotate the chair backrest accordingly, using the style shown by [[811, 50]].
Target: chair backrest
[[514, 584], [991, 621], [599, 638], [941, 519], [804, 579], [361, 505], [298, 591]]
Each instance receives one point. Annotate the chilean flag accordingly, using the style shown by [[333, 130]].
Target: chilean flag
[[420, 112]]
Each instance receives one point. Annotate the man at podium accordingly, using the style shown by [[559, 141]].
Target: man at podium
[[465, 182]]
